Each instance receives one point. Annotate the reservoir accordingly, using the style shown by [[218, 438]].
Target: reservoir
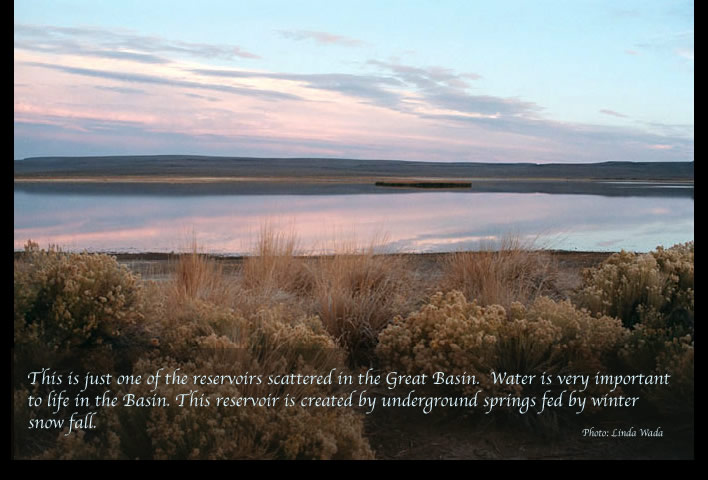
[[227, 218]]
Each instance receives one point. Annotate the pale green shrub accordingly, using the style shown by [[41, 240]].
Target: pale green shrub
[[202, 338], [42, 444], [651, 350], [209, 339], [455, 336], [179, 327], [85, 445], [583, 343], [655, 288], [654, 293], [74, 305], [676, 359], [448, 334], [244, 432], [22, 437], [70, 300]]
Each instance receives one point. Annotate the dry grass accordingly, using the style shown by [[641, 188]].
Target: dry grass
[[196, 276], [356, 293], [511, 272], [274, 264]]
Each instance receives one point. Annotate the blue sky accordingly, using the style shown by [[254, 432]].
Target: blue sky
[[507, 81]]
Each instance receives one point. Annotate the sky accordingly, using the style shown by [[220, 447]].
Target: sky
[[480, 81]]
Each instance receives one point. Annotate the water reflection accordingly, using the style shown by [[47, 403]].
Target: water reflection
[[413, 222], [609, 189]]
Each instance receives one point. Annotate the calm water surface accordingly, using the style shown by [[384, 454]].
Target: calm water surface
[[406, 221]]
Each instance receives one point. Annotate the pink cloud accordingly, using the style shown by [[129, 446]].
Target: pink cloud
[[323, 38]]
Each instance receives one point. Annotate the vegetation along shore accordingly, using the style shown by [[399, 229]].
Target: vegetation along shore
[[539, 312]]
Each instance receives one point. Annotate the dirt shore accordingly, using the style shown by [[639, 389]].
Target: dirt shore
[[568, 264]]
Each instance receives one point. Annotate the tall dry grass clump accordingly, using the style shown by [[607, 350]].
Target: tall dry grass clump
[[274, 264], [356, 293], [196, 276], [511, 272]]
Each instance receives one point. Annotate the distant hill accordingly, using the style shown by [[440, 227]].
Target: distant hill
[[195, 166]]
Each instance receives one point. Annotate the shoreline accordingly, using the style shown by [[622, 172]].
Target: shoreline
[[367, 180], [164, 256], [339, 185], [156, 266]]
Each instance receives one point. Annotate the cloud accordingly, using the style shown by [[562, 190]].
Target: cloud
[[422, 112], [686, 53], [427, 77], [443, 88], [202, 97], [155, 80], [671, 130], [373, 89], [573, 142], [631, 52], [679, 43], [120, 45], [126, 90], [437, 87], [322, 38], [613, 113], [67, 48], [480, 104], [122, 138]]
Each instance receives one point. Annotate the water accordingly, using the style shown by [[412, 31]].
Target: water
[[133, 219]]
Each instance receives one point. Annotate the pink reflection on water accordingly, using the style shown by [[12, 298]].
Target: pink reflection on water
[[407, 222]]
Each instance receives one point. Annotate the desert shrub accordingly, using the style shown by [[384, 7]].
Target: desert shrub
[[557, 337], [655, 289], [653, 350], [212, 339], [71, 312], [23, 440], [66, 302], [203, 338], [243, 432], [103, 444], [448, 334], [676, 359], [510, 273], [51, 444], [180, 326], [455, 336], [653, 293]]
